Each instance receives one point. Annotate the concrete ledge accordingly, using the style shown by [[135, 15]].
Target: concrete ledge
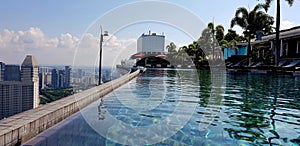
[[20, 128]]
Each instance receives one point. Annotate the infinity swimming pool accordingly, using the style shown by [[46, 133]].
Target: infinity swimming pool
[[184, 107]]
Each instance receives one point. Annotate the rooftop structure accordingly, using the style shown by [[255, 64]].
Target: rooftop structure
[[151, 43]]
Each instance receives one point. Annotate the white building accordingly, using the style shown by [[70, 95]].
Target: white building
[[151, 44], [19, 96]]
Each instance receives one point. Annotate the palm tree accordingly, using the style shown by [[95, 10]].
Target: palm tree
[[217, 33], [268, 2], [171, 47], [194, 50], [253, 21], [206, 41], [182, 55], [232, 45]]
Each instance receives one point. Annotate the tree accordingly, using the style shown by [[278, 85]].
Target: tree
[[182, 55], [217, 34], [268, 2], [194, 50], [231, 35], [232, 45], [253, 21], [171, 47], [206, 41]]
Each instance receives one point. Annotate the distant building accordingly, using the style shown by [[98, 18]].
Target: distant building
[[61, 78], [42, 78], [67, 82], [54, 79], [151, 44], [43, 73], [12, 73], [2, 69], [43, 70], [48, 78], [22, 95]]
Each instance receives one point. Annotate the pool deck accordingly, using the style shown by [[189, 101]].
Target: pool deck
[[20, 128]]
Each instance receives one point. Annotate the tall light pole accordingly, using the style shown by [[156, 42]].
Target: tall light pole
[[100, 55]]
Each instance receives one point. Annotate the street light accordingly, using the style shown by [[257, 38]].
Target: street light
[[100, 56]]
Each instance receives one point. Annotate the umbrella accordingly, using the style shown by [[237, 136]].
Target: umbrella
[[160, 55], [139, 55]]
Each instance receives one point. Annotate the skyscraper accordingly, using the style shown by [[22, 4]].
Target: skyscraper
[[12, 73], [61, 78], [30, 74], [42, 77], [2, 69], [67, 77], [61, 75], [22, 95], [54, 78]]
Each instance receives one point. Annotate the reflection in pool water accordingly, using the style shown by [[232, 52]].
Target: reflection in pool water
[[253, 110]]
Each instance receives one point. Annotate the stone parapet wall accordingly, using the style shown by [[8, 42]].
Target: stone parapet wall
[[22, 127]]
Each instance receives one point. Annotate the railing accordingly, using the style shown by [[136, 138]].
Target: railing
[[20, 128]]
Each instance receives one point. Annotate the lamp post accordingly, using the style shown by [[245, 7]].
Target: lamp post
[[100, 55]]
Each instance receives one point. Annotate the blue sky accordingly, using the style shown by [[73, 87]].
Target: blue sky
[[61, 23]]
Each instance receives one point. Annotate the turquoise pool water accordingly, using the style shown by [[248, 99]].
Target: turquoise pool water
[[182, 107]]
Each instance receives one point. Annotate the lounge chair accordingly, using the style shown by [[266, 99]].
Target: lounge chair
[[257, 64], [281, 63], [292, 64]]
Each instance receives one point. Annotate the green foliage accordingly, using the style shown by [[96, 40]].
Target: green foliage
[[219, 33], [231, 35], [171, 47], [290, 2], [267, 3], [252, 21], [54, 94]]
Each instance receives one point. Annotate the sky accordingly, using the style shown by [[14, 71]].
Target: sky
[[67, 32]]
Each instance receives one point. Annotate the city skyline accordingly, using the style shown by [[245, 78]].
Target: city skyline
[[19, 91], [50, 30]]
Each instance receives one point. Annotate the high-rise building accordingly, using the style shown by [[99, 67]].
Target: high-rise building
[[12, 73], [61, 75], [2, 69], [22, 95], [43, 69], [67, 77], [61, 78], [30, 74], [151, 43], [43, 72], [42, 78], [54, 79]]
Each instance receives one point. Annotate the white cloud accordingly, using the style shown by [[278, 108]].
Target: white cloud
[[287, 24], [14, 45], [114, 50]]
